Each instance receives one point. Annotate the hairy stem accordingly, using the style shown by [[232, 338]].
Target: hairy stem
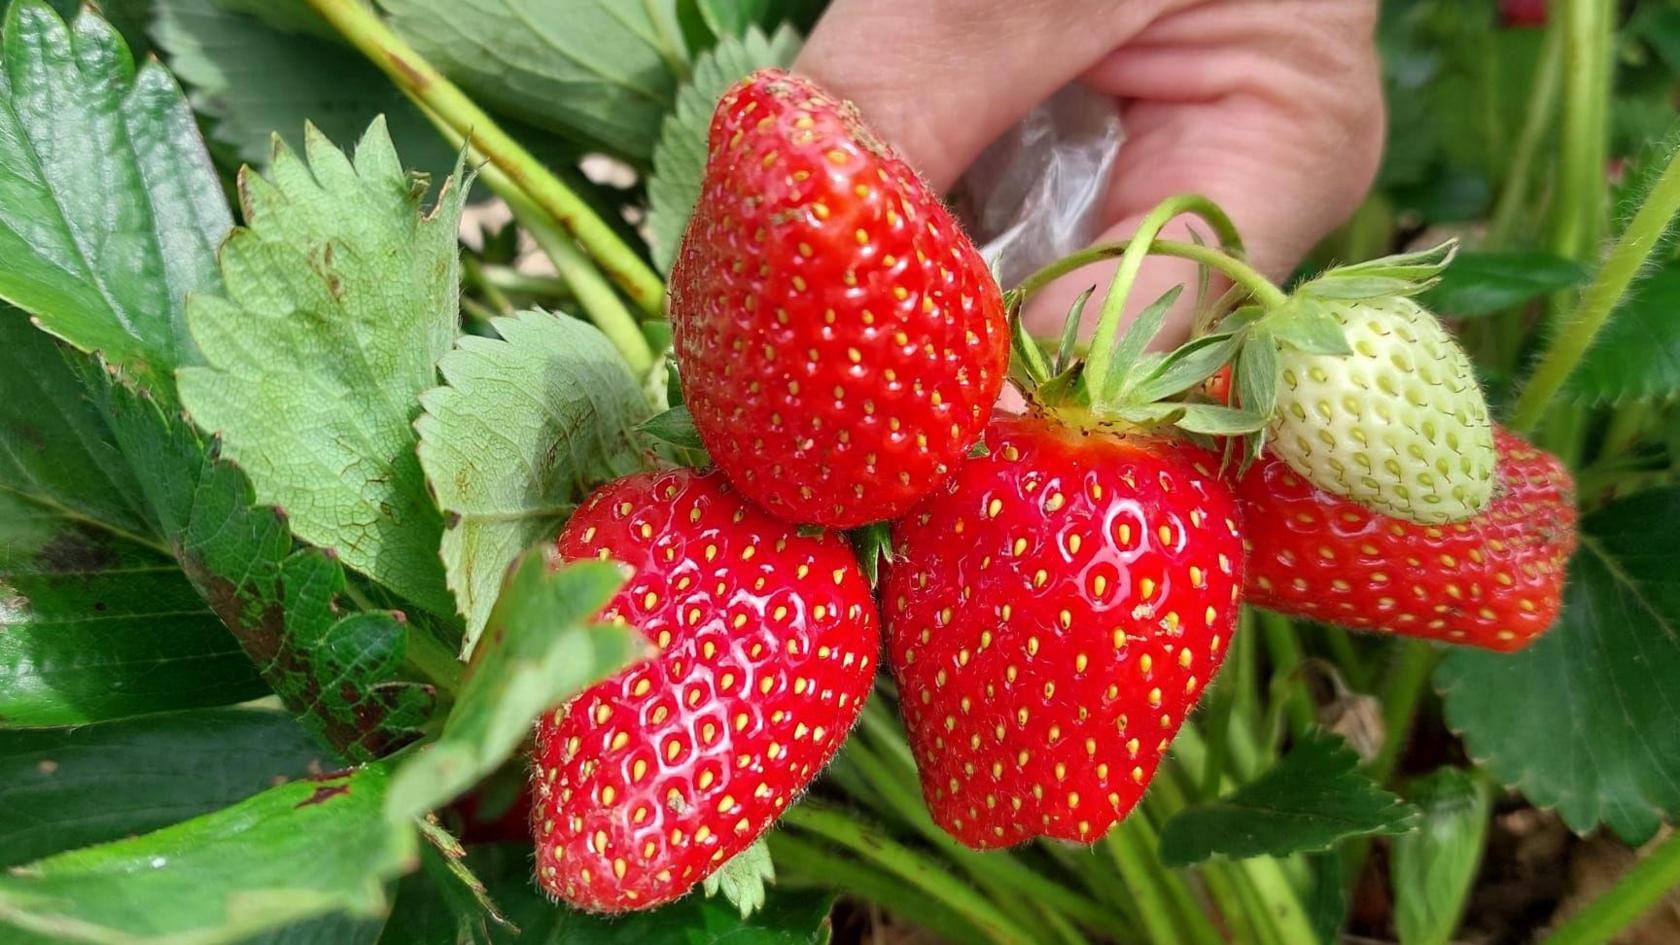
[[1236, 270], [421, 81], [1630, 253]]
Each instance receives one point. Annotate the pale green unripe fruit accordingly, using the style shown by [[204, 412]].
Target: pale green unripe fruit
[[1400, 424]]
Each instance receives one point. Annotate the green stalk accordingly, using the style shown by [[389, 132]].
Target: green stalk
[[1635, 246], [472, 272], [1131, 261], [1282, 905], [912, 867], [1236, 270], [435, 661], [417, 78], [594, 294], [1637, 891], [1583, 127], [897, 785], [1285, 651], [1542, 103], [801, 863], [1142, 882], [512, 280], [1408, 682]]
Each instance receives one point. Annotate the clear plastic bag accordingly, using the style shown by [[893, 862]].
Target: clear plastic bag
[[1033, 195]]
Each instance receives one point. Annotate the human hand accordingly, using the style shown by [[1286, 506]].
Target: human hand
[[1272, 108]]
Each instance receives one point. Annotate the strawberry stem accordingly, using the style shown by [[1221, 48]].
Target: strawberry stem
[[1630, 253], [420, 81], [1264, 291], [1101, 351]]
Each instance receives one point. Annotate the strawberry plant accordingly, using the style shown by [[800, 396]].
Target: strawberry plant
[[537, 473]]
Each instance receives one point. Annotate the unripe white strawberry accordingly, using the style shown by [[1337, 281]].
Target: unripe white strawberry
[[1398, 423]]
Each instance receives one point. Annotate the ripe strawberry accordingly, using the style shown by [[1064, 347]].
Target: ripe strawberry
[[841, 342], [1494, 580], [1052, 614], [1522, 14], [646, 783], [1399, 424]]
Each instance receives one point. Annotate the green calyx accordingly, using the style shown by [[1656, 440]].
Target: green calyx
[[1353, 383]]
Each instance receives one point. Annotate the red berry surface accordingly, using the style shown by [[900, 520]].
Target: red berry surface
[[649, 781], [1494, 580], [840, 340], [1052, 614]]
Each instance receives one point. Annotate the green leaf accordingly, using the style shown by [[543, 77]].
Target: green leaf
[[1189, 365], [1583, 720], [1308, 802], [872, 544], [342, 298], [110, 211], [95, 627], [679, 159], [1308, 327], [254, 78], [98, 622], [444, 859], [741, 881], [333, 667], [1399, 274], [303, 849], [599, 71], [1637, 356], [1069, 346], [1432, 868], [1481, 283], [1215, 420], [674, 426], [539, 650], [64, 788], [1125, 363], [1256, 373], [420, 918], [55, 449], [733, 17], [525, 425]]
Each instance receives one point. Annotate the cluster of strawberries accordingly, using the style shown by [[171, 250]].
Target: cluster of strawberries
[[1061, 587]]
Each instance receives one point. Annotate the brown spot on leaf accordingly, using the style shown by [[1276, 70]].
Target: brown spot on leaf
[[74, 553], [323, 793]]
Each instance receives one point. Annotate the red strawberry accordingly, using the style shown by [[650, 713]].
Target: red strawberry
[[1522, 14], [841, 342], [649, 781], [1494, 580], [1053, 613]]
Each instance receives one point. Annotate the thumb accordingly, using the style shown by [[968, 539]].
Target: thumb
[[941, 78]]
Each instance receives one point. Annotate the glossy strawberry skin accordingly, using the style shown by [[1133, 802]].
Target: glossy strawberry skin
[[649, 781], [841, 342], [1494, 580], [1052, 614]]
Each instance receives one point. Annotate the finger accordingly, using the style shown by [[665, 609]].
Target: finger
[[1285, 137], [941, 79]]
